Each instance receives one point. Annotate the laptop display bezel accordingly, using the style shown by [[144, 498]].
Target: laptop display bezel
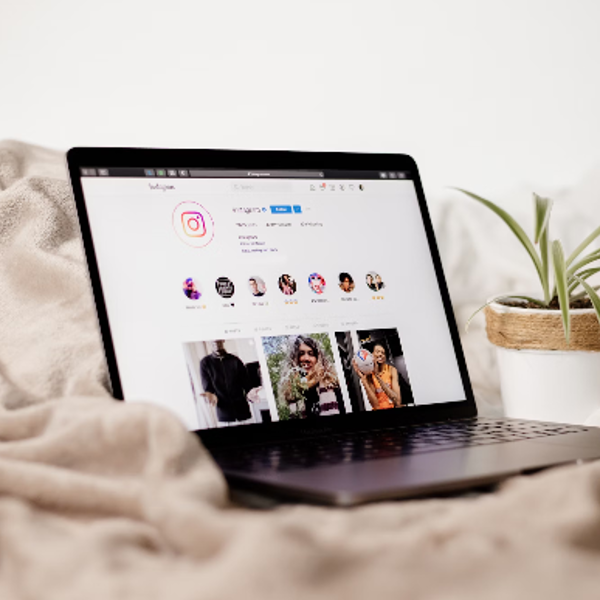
[[78, 158]]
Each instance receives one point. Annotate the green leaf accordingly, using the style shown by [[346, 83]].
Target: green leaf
[[528, 298], [544, 249], [584, 293], [543, 208], [586, 260], [585, 274], [588, 240], [562, 288], [591, 292], [517, 230]]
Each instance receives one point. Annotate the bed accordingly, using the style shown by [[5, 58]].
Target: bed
[[102, 499]]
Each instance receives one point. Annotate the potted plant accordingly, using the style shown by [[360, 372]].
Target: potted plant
[[548, 343]]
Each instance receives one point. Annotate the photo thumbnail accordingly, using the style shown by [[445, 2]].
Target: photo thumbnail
[[257, 286], [346, 282], [317, 283], [287, 284], [374, 281], [303, 375], [226, 383], [224, 287], [191, 289], [375, 369]]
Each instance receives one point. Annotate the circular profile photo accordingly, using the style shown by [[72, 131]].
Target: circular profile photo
[[224, 287], [191, 289], [346, 283], [287, 284], [374, 281], [317, 283], [257, 286], [193, 224]]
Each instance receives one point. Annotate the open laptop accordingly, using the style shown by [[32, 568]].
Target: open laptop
[[291, 309]]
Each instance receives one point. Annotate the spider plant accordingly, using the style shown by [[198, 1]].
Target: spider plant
[[563, 280]]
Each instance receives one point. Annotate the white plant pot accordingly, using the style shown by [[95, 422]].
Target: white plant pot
[[548, 385]]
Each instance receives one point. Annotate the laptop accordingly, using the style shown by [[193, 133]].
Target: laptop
[[290, 308]]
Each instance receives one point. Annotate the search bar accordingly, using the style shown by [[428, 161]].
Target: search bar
[[268, 187]]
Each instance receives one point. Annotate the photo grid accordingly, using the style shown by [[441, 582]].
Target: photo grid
[[311, 375]]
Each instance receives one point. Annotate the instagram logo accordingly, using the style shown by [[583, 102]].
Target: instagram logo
[[193, 224]]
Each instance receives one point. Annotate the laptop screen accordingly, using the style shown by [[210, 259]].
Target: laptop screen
[[239, 298]]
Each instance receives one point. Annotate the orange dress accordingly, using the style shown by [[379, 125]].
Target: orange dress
[[382, 398]]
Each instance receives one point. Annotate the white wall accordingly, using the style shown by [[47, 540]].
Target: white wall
[[485, 94]]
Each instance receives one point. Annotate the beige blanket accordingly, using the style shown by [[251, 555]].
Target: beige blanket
[[106, 500]]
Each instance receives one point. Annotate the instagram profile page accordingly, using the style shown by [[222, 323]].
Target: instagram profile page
[[242, 303]]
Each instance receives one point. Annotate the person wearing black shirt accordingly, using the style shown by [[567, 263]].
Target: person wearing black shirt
[[226, 384]]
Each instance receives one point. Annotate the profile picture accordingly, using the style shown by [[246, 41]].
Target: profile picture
[[191, 289], [303, 376], [374, 281], [317, 283], [193, 224], [346, 282], [287, 284], [257, 286], [224, 287]]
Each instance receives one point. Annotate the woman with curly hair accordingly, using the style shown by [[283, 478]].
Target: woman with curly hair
[[309, 384]]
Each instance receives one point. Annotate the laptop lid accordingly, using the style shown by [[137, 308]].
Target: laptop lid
[[269, 295]]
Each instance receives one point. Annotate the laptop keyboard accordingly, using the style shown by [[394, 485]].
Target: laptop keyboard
[[386, 443]]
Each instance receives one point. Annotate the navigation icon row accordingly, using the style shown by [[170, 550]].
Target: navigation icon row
[[337, 187], [166, 173], [393, 175]]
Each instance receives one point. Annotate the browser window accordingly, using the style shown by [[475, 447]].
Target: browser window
[[250, 299]]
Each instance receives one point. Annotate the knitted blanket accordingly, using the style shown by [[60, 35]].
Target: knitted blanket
[[103, 499]]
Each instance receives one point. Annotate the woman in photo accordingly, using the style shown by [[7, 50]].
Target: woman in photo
[[287, 285], [374, 281], [309, 384], [382, 385], [346, 282]]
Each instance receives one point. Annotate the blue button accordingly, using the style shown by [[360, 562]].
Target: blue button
[[297, 208], [284, 208]]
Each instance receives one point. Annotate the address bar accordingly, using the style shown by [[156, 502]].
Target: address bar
[[256, 174]]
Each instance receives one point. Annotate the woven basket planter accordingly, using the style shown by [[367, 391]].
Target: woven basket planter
[[541, 376]]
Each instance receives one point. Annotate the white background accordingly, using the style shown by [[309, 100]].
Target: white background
[[487, 95]]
